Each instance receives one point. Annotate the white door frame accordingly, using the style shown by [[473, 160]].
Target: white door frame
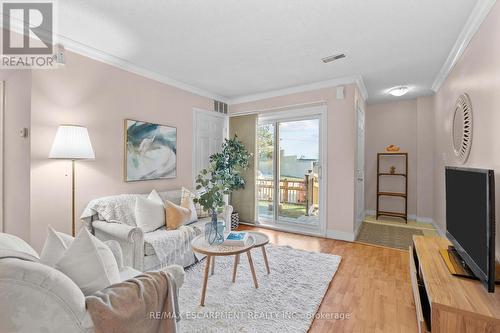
[[196, 112], [359, 211], [305, 112]]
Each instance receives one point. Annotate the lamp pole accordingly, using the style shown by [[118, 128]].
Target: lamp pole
[[73, 206], [72, 142]]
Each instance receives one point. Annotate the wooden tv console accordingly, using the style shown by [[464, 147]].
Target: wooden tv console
[[447, 303]]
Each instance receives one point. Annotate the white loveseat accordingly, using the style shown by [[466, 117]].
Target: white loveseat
[[37, 298], [113, 218]]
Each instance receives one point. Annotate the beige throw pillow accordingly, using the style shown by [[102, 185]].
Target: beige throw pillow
[[176, 215], [200, 212], [187, 202]]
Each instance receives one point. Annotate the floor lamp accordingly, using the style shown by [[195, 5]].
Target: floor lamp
[[72, 142]]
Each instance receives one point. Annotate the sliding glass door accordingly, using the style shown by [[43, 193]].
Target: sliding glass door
[[288, 175]]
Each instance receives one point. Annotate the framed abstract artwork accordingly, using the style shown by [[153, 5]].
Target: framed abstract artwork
[[150, 151]]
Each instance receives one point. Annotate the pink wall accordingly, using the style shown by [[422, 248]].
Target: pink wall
[[341, 150], [477, 73], [99, 96], [408, 124], [16, 152]]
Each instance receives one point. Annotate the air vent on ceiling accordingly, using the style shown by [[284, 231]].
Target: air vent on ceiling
[[220, 107], [333, 58]]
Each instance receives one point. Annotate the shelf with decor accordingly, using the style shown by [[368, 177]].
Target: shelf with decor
[[391, 173]]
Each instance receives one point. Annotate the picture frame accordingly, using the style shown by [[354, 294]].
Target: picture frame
[[150, 151]]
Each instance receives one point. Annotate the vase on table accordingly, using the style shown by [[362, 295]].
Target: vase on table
[[214, 230]]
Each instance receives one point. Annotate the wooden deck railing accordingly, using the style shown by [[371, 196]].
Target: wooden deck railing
[[299, 192]]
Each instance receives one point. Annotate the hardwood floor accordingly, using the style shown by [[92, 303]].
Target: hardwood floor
[[372, 285]]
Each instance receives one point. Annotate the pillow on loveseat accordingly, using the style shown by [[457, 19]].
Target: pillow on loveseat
[[89, 263], [55, 245], [150, 212]]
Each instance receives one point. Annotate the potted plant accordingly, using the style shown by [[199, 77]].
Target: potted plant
[[220, 178]]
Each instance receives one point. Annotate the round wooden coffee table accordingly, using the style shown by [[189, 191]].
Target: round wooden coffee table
[[261, 240], [200, 245]]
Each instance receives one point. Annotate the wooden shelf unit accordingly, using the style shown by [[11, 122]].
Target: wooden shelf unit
[[404, 196], [447, 303]]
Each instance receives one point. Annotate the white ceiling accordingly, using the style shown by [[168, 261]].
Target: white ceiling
[[239, 48]]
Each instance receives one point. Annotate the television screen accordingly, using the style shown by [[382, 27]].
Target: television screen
[[470, 217]]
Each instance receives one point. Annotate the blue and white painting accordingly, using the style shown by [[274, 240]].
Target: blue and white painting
[[151, 151]]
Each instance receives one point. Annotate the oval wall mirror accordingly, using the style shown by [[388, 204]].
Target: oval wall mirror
[[462, 128]]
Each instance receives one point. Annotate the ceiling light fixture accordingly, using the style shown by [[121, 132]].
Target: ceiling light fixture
[[399, 91], [333, 58]]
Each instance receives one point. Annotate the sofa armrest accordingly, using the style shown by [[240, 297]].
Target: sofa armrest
[[131, 240], [120, 231]]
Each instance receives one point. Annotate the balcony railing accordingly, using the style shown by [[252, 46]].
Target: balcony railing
[[303, 192]]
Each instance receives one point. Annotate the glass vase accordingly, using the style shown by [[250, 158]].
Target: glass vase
[[214, 231]]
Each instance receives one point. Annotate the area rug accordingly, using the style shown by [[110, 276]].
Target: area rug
[[286, 301], [387, 235]]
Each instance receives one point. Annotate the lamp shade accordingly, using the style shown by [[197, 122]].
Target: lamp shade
[[72, 142]]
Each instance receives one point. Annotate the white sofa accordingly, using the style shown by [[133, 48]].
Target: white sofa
[[113, 218], [38, 298]]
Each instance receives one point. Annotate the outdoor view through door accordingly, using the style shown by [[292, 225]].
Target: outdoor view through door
[[288, 172]]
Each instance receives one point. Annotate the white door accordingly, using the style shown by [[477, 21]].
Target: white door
[[210, 129], [290, 179], [360, 166]]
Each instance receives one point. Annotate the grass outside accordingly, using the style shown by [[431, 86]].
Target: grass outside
[[288, 210]]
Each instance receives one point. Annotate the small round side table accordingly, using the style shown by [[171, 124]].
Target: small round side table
[[261, 240], [200, 245]]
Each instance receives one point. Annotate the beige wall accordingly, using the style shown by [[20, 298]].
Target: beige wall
[[16, 152], [477, 73], [409, 125], [341, 129], [99, 96], [243, 200], [391, 123]]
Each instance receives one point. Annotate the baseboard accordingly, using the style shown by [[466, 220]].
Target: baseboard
[[341, 235], [439, 230], [277, 228], [358, 228], [421, 219]]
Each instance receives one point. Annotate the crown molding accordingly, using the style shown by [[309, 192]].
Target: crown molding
[[357, 79], [476, 18], [362, 88], [101, 56]]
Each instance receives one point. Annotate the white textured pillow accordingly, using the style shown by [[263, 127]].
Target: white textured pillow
[[154, 196], [187, 202], [89, 263], [55, 245], [150, 212]]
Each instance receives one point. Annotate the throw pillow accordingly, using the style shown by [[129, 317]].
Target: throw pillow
[[200, 212], [187, 202], [149, 212], [89, 263], [154, 196], [176, 215], [55, 245]]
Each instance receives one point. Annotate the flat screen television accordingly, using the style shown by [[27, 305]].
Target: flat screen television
[[470, 219]]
